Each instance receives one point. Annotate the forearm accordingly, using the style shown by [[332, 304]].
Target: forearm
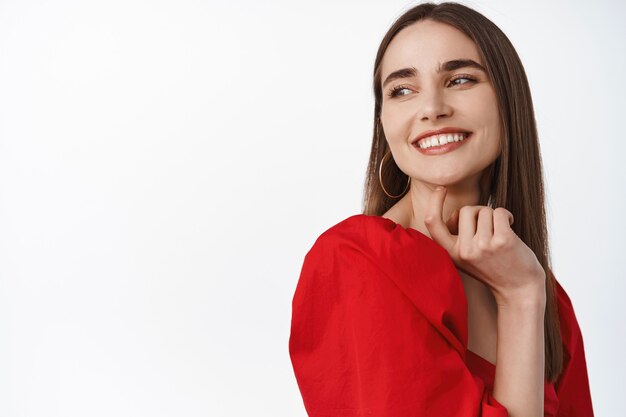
[[520, 355]]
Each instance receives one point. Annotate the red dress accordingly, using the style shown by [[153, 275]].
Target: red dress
[[379, 328]]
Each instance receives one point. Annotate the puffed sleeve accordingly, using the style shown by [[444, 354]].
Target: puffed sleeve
[[572, 386], [360, 346]]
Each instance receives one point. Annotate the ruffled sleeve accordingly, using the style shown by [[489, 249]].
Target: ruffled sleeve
[[572, 386], [379, 327]]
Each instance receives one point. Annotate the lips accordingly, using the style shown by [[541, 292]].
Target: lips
[[438, 132]]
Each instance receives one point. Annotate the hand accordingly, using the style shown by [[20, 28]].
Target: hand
[[489, 250]]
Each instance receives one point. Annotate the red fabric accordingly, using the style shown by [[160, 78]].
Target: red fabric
[[572, 387], [379, 328]]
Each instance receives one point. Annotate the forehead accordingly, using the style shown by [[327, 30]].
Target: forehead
[[425, 44]]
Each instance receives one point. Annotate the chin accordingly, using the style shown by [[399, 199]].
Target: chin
[[447, 180], [452, 176]]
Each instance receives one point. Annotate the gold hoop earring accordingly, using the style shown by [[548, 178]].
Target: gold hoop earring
[[380, 178]]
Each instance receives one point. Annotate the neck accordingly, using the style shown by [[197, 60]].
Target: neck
[[413, 205]]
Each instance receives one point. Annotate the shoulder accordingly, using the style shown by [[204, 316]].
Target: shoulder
[[379, 235], [340, 266], [370, 242], [350, 236], [352, 227], [354, 231]]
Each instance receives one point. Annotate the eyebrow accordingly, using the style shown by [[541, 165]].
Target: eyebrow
[[445, 67]]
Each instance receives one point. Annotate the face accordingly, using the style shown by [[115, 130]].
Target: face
[[459, 97]]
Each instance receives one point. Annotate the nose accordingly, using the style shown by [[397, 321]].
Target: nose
[[433, 105]]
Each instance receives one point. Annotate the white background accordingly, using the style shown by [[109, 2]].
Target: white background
[[165, 166]]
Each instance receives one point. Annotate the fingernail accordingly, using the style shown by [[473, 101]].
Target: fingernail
[[439, 188]]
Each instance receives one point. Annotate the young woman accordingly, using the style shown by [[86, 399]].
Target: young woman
[[400, 313]]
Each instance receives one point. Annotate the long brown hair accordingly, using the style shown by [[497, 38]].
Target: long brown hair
[[514, 179]]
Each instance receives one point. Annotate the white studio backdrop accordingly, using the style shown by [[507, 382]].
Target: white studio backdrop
[[165, 166]]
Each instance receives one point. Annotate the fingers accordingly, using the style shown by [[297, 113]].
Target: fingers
[[465, 224], [484, 233], [433, 219], [502, 221], [467, 227]]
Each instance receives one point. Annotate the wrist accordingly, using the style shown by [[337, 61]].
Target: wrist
[[530, 296]]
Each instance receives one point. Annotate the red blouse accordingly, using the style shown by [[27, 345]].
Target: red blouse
[[379, 328]]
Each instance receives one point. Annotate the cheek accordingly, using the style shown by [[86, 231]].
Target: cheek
[[490, 106], [484, 108], [395, 124], [493, 124]]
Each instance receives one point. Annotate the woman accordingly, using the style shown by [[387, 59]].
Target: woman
[[398, 313]]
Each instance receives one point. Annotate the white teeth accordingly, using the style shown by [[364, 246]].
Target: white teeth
[[438, 140]]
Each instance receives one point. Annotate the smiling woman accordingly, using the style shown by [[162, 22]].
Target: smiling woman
[[398, 312], [445, 90]]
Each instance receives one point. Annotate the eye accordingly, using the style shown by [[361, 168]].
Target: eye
[[462, 77], [394, 92]]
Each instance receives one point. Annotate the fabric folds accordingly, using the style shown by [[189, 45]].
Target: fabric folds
[[379, 328]]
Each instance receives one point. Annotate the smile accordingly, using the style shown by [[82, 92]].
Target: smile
[[443, 143]]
